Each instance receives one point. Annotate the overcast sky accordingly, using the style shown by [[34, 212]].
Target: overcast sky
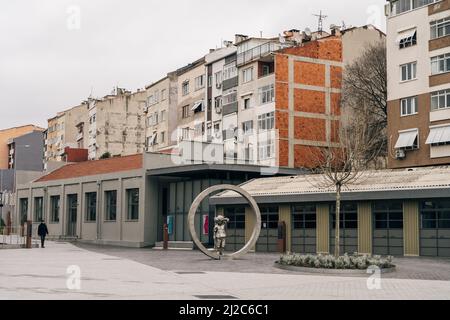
[[50, 60]]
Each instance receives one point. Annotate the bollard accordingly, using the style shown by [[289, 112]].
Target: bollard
[[29, 234], [282, 237], [166, 237]]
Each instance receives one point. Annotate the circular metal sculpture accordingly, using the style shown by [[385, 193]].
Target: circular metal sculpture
[[256, 230]]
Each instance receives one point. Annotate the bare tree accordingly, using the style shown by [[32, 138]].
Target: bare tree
[[343, 159], [364, 92]]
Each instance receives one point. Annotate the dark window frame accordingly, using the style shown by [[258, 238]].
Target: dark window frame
[[91, 206], [133, 204], [111, 205]]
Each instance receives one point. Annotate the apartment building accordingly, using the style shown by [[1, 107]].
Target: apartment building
[[64, 131], [418, 52], [289, 94], [161, 113], [116, 124]]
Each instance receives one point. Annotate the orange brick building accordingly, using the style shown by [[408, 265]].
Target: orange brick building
[[308, 91]]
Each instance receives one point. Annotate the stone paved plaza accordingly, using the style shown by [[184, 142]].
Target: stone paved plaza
[[118, 273]]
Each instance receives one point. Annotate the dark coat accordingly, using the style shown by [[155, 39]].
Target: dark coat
[[42, 230]]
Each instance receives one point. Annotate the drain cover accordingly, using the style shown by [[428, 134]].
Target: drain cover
[[216, 297], [190, 272]]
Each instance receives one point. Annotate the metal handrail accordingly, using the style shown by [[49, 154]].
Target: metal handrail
[[255, 53]]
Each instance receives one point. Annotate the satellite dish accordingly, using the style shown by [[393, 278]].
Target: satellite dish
[[308, 32]]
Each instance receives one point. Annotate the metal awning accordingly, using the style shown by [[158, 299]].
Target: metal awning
[[406, 35], [197, 105], [247, 94], [406, 139], [439, 135], [153, 139]]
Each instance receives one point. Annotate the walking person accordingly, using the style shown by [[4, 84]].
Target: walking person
[[42, 232]]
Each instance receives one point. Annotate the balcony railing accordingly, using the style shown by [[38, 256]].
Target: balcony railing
[[257, 53]]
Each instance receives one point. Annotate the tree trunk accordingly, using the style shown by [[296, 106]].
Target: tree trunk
[[337, 242]]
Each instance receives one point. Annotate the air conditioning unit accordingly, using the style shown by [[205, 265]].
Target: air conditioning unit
[[400, 154], [219, 85], [218, 110]]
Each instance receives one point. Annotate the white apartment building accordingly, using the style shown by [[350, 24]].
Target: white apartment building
[[418, 58]]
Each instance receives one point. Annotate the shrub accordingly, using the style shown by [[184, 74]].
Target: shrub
[[355, 261]]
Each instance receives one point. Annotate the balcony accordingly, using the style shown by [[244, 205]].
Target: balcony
[[257, 53]]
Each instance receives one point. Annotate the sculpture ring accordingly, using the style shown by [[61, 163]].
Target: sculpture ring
[[256, 230]]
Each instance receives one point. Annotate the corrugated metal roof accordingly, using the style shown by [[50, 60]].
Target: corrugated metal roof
[[385, 180]]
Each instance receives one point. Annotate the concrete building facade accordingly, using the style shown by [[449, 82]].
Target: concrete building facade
[[161, 113], [117, 124], [8, 134], [418, 83]]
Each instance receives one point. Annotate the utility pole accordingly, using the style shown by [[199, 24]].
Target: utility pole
[[321, 18]]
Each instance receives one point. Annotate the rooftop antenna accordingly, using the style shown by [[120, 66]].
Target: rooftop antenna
[[260, 34], [321, 19], [344, 26]]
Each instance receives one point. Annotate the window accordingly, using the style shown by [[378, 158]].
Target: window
[[163, 137], [266, 121], [38, 209], [440, 28], [156, 118], [218, 103], [440, 100], [408, 71], [210, 81], [54, 209], [440, 64], [163, 94], [236, 214], [218, 77], [229, 98], [388, 215], [348, 216], [163, 116], [23, 210], [186, 133], [200, 82], [230, 71], [409, 106], [247, 104], [269, 217], [247, 75], [249, 153], [265, 70], [304, 217], [133, 204], [150, 120], [266, 94], [153, 99], [266, 149], [185, 112], [247, 127], [217, 128], [435, 214], [408, 40], [185, 88], [91, 206], [111, 205]]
